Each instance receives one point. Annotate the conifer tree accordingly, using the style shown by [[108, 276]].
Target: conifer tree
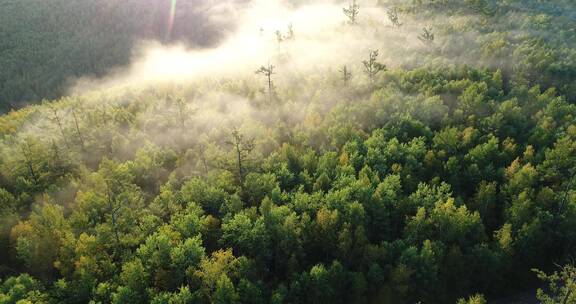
[[393, 17], [352, 12], [427, 37], [372, 67], [346, 75], [242, 147], [267, 72]]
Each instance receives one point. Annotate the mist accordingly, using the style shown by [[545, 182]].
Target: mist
[[322, 40], [218, 84], [217, 89]]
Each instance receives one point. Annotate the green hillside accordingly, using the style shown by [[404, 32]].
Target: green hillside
[[45, 45]]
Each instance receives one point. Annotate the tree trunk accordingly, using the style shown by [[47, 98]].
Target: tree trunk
[[80, 137]]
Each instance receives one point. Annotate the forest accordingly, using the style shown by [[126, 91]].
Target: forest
[[44, 45], [303, 151]]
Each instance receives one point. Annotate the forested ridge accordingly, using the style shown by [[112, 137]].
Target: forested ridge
[[438, 166], [46, 45]]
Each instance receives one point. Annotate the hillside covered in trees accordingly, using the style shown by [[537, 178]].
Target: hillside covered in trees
[[44, 45], [295, 152]]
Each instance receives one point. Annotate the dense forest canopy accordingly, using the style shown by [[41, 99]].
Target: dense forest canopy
[[288, 151]]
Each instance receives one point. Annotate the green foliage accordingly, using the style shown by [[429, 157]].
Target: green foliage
[[431, 183], [561, 286], [22, 289], [475, 299]]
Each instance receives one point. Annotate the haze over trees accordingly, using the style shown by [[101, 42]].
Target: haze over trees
[[46, 44], [429, 161]]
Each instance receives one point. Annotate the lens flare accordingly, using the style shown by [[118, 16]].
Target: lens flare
[[171, 20]]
